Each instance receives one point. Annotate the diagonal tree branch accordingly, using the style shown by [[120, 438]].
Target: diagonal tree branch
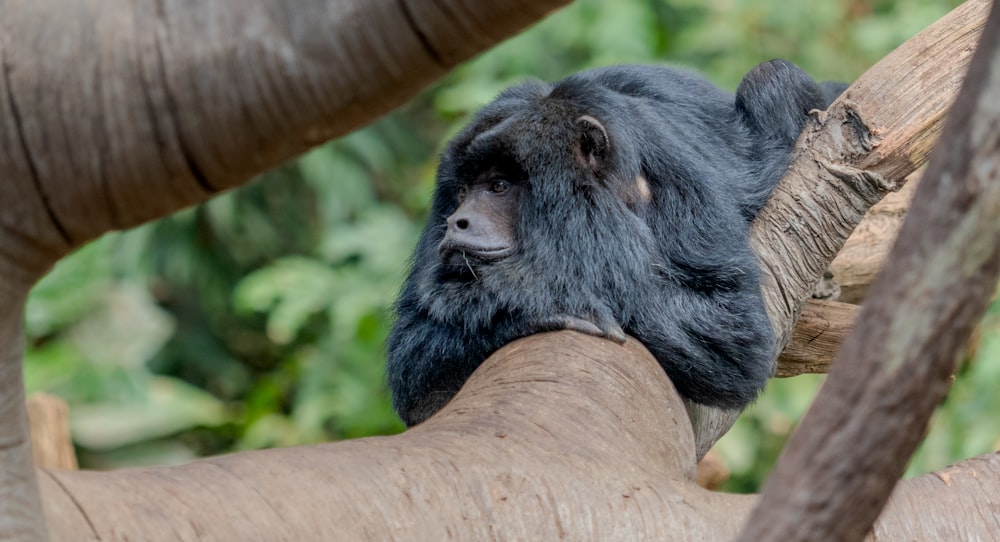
[[836, 474], [866, 144]]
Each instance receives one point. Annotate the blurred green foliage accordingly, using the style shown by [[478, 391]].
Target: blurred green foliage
[[258, 319]]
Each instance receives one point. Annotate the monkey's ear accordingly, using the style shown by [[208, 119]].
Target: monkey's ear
[[592, 142]]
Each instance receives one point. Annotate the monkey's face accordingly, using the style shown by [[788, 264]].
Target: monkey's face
[[528, 188], [483, 228]]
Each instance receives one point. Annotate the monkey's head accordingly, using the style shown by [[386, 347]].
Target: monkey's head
[[515, 175]]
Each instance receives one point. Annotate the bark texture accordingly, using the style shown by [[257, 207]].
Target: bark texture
[[822, 327], [865, 145], [611, 459], [866, 249], [177, 99], [834, 477], [957, 503]]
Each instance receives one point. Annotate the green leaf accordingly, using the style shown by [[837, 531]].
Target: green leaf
[[170, 406]]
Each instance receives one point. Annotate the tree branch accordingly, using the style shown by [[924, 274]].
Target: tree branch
[[836, 474], [548, 440], [823, 325], [866, 249], [867, 142], [176, 100]]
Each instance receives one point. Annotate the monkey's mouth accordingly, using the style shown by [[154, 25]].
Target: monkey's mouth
[[464, 261]]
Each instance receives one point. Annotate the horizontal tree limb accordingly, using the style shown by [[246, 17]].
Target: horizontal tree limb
[[549, 440]]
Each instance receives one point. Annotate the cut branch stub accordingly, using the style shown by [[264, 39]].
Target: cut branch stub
[[814, 210]]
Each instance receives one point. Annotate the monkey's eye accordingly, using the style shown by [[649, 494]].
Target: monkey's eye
[[462, 192], [499, 186]]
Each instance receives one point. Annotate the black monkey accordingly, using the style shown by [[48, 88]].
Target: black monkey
[[617, 201]]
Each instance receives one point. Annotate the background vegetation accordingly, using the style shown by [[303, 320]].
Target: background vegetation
[[259, 319]]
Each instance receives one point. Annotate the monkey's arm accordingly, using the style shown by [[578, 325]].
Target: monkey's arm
[[607, 330], [719, 351]]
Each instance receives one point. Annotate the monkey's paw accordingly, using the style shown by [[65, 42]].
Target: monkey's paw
[[610, 330]]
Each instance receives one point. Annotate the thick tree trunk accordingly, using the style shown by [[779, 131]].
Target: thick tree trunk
[[19, 501], [113, 113]]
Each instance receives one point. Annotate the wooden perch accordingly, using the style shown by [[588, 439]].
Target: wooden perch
[[822, 327], [557, 436], [548, 440]]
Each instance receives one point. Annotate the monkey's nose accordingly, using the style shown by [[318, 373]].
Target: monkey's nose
[[458, 223]]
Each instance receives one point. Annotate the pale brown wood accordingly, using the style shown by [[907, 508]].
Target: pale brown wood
[[486, 467], [822, 327], [51, 445], [866, 249], [611, 459], [956, 503], [558, 437]]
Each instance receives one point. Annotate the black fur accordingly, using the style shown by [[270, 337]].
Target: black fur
[[675, 271]]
